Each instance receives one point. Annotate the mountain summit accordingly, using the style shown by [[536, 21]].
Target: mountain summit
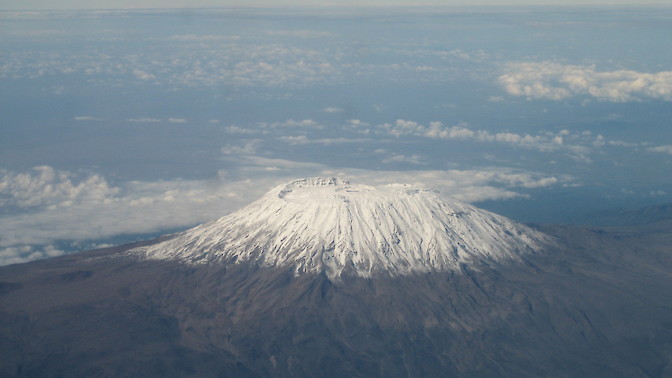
[[329, 225]]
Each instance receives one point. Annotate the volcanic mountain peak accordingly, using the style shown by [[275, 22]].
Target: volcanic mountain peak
[[329, 225]]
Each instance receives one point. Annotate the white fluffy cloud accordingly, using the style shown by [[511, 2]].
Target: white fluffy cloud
[[553, 81], [20, 254], [46, 206], [52, 206], [46, 187]]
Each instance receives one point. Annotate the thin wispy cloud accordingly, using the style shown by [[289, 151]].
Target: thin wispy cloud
[[302, 139], [576, 144], [144, 120], [200, 38], [300, 33], [87, 118], [667, 149], [248, 148], [291, 123], [333, 110], [395, 159]]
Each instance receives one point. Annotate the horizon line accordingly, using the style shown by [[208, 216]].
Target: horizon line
[[350, 6]]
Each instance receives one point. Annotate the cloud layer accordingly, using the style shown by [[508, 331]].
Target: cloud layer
[[577, 145], [59, 207], [554, 81]]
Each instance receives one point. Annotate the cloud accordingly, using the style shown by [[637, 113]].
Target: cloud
[[144, 120], [302, 139], [290, 123], [21, 254], [60, 209], [303, 129], [46, 187], [413, 159], [333, 110], [52, 207], [250, 60], [249, 148], [358, 126], [300, 33], [201, 38], [197, 61], [577, 145], [142, 75], [661, 149], [553, 81], [251, 165], [436, 130], [445, 55], [357, 123], [657, 193], [298, 139], [156, 120], [478, 55], [86, 118], [233, 129], [472, 185]]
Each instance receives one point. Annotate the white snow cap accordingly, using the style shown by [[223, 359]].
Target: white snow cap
[[328, 225]]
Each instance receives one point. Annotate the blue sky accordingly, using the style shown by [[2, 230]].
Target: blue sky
[[120, 125]]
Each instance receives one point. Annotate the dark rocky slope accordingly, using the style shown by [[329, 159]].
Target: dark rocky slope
[[599, 305]]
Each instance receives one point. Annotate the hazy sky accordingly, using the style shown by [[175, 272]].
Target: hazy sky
[[115, 4]]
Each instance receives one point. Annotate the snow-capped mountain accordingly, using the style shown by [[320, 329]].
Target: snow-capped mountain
[[330, 225], [238, 298]]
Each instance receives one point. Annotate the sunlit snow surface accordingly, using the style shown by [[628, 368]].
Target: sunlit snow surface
[[330, 225]]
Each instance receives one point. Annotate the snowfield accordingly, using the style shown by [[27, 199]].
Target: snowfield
[[330, 225]]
